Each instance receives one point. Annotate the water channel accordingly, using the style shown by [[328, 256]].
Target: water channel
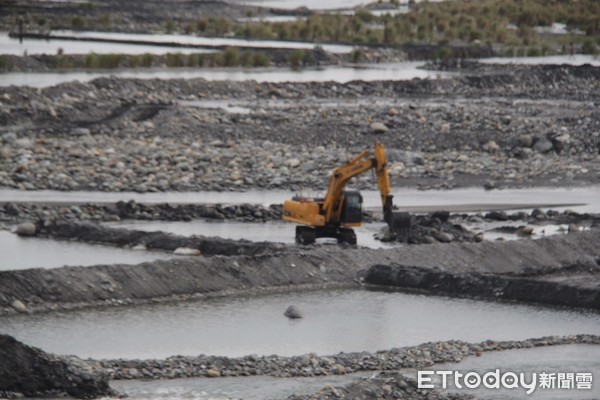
[[22, 253], [341, 74], [335, 320], [580, 199]]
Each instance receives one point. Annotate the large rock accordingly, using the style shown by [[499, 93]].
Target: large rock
[[379, 127], [30, 372], [293, 313], [543, 145], [26, 229]]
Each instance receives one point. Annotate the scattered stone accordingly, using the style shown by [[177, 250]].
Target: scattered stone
[[526, 140], [525, 230], [573, 228], [489, 184], [379, 127], [497, 216], [491, 147], [543, 145], [444, 237], [213, 373]]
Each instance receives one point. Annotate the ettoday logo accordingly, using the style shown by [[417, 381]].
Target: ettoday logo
[[506, 380]]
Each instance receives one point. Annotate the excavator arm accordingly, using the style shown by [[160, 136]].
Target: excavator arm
[[332, 204]]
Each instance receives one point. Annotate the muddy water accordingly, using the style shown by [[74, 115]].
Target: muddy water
[[469, 199], [335, 320], [22, 253], [555, 359]]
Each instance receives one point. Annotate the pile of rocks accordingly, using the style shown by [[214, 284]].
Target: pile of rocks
[[313, 365]]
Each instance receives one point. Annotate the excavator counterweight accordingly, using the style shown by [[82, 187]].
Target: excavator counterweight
[[340, 210]]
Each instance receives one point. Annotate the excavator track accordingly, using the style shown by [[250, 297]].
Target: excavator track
[[307, 235]]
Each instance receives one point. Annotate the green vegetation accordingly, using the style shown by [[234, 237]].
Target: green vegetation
[[296, 58], [229, 58], [508, 22], [5, 63], [104, 61], [78, 22]]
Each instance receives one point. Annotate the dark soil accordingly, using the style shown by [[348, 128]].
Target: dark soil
[[28, 371]]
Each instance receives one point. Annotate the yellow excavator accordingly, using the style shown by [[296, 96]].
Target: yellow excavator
[[340, 210]]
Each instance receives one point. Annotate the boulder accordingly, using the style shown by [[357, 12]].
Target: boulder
[[26, 229], [379, 127], [293, 313], [542, 146], [526, 140]]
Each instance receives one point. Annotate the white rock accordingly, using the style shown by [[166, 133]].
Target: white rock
[[491, 147], [19, 306], [186, 251], [293, 162], [379, 127], [26, 229]]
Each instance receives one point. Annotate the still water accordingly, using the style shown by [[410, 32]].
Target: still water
[[30, 47], [334, 321], [581, 199], [341, 74], [203, 41], [23, 252], [254, 231]]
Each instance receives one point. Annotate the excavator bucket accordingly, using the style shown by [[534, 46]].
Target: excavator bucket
[[399, 223]]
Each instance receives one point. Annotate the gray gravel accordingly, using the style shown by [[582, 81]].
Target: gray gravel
[[536, 125]]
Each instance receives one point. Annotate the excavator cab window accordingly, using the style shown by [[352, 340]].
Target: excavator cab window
[[352, 211]]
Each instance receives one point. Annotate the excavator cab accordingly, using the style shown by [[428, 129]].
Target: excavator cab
[[352, 207]]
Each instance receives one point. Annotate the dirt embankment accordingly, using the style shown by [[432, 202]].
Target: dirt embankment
[[558, 264], [208, 246], [28, 371]]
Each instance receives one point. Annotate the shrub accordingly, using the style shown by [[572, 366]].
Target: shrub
[[295, 58], [231, 56], [78, 22]]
